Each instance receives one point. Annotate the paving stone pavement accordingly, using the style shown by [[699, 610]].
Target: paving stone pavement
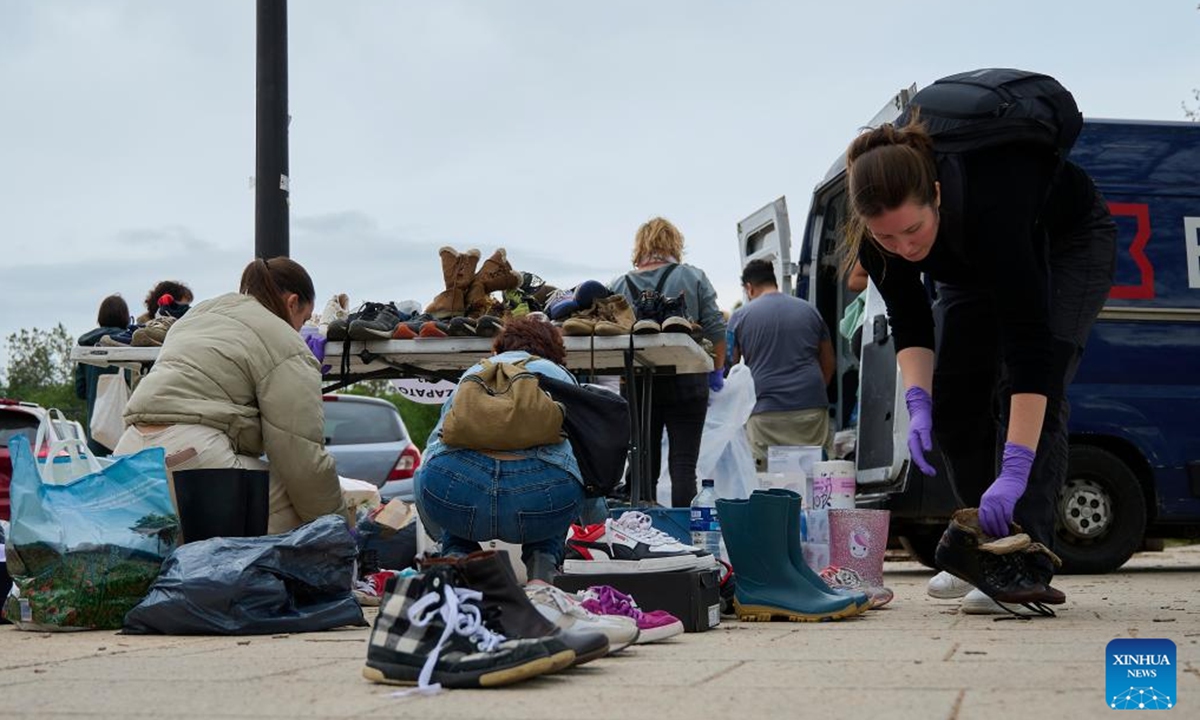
[[918, 658]]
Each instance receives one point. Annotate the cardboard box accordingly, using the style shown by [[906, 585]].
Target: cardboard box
[[693, 596]]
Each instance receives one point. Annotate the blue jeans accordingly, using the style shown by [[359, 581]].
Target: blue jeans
[[474, 497]]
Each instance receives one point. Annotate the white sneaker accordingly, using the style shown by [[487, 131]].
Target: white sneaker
[[626, 546], [568, 614], [336, 309], [945, 586], [977, 603]]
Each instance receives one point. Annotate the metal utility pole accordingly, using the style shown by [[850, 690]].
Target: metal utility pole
[[271, 139]]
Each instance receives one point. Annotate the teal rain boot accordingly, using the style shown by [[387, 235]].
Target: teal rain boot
[[768, 585], [796, 550]]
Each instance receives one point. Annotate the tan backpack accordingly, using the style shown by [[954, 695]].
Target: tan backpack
[[502, 407]]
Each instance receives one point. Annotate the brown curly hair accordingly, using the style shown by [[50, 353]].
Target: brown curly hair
[[535, 337]]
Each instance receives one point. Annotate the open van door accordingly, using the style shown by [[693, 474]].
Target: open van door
[[869, 378], [765, 235]]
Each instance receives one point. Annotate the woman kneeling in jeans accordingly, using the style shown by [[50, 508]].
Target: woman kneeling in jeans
[[529, 497]]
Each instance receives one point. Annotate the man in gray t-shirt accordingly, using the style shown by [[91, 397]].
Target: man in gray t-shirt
[[786, 344]]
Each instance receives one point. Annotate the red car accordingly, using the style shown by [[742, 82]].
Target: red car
[[16, 418]]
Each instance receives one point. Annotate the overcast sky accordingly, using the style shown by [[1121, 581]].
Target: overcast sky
[[550, 128]]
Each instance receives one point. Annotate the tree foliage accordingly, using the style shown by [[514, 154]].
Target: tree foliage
[[418, 418], [40, 370]]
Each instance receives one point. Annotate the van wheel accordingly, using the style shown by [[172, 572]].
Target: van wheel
[[1101, 519], [921, 545]]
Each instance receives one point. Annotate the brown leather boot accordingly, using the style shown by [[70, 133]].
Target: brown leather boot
[[495, 274], [458, 270]]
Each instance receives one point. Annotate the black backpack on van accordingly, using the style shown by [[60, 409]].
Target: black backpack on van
[[997, 106]]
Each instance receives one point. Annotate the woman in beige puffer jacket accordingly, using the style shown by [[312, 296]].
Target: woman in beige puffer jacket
[[234, 380]]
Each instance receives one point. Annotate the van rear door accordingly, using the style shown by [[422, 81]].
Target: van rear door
[[766, 235]]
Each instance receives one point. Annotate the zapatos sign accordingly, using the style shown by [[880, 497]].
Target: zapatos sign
[[1141, 674]]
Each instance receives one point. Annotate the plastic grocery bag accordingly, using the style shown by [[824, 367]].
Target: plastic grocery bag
[[725, 454], [83, 550], [107, 422], [297, 581]]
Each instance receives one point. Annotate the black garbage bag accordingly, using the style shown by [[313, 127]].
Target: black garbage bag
[[298, 581]]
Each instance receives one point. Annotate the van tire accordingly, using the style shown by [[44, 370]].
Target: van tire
[[921, 545], [1099, 482]]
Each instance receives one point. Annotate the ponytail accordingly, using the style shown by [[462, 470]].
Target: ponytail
[[886, 167], [267, 280]]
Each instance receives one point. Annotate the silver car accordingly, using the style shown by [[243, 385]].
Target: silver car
[[368, 441]]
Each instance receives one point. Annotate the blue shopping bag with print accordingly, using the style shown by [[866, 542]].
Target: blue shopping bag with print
[[86, 539]]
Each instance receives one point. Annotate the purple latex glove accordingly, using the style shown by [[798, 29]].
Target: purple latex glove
[[716, 380], [996, 507], [315, 342], [920, 427]]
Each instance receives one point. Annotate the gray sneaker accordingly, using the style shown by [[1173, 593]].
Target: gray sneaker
[[377, 321]]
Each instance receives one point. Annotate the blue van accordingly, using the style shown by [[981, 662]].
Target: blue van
[[1135, 425]]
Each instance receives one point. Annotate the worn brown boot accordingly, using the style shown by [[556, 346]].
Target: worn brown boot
[[458, 270], [615, 317], [1002, 568]]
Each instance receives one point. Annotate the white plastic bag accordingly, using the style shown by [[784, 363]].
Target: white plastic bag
[[107, 422], [725, 454]]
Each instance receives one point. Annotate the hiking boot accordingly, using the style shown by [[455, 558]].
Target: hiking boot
[[430, 632], [154, 333], [583, 324], [999, 567], [376, 321], [458, 272], [614, 316]]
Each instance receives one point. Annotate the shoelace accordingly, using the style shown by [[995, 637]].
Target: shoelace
[[456, 607], [639, 526], [561, 600], [611, 598]]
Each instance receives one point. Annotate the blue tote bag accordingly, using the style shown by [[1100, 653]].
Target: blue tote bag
[[86, 539]]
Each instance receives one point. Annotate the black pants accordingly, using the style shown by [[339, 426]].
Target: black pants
[[970, 386], [679, 405]]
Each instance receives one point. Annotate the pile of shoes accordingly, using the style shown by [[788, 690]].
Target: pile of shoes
[[1012, 570], [591, 309], [464, 622], [467, 307]]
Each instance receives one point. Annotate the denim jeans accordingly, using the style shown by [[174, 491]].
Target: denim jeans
[[475, 497], [970, 383]]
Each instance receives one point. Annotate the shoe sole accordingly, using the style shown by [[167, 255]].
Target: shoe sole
[[648, 565], [655, 634], [563, 660], [765, 613], [986, 607], [368, 334], [390, 674], [948, 595]]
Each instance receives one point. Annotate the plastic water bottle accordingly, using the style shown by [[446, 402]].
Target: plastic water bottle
[[706, 528]]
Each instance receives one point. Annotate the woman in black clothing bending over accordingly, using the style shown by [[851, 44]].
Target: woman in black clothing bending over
[[1023, 249]]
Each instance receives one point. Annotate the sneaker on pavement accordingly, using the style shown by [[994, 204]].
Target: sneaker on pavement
[[430, 632], [977, 603], [612, 547], [652, 626], [945, 586], [566, 611]]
